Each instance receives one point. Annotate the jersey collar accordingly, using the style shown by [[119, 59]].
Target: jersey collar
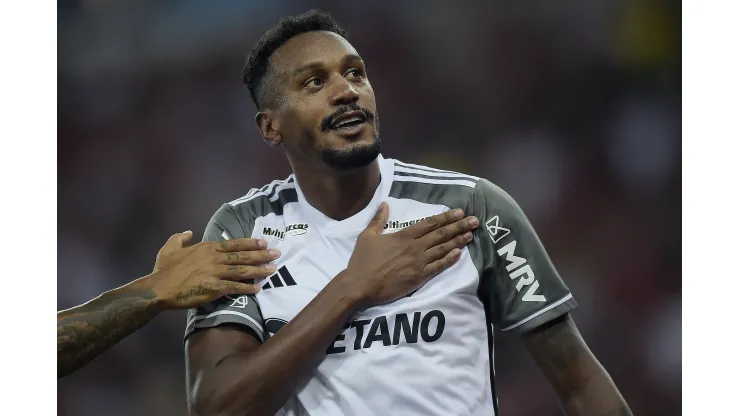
[[356, 223]]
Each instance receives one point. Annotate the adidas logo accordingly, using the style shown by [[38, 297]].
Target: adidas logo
[[279, 279]]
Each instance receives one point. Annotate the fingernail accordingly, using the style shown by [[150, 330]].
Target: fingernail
[[473, 221], [468, 235], [275, 253], [458, 213], [262, 243], [270, 267]]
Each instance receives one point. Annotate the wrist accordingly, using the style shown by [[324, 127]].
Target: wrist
[[355, 294], [146, 288]]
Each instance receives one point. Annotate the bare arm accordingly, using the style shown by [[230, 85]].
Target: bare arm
[[230, 373], [224, 362], [86, 331], [183, 277], [581, 383]]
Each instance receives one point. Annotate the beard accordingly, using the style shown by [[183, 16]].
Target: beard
[[353, 158]]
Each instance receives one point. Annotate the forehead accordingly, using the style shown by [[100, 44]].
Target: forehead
[[308, 48]]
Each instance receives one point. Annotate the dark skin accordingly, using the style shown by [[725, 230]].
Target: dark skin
[[316, 74], [581, 383], [183, 277], [312, 89], [223, 362]]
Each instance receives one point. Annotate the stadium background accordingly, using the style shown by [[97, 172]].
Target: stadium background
[[573, 107]]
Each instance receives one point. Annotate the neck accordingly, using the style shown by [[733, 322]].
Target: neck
[[338, 195]]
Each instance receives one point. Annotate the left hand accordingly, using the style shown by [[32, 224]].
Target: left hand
[[188, 277]]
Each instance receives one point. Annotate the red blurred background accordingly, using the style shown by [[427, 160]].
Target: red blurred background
[[573, 107]]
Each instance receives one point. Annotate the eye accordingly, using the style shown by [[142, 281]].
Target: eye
[[314, 82], [355, 72]]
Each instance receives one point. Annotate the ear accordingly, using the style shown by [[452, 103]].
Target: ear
[[269, 127]]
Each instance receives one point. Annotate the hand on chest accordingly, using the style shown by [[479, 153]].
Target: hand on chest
[[311, 257]]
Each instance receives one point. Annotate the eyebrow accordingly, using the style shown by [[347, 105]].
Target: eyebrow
[[319, 65]]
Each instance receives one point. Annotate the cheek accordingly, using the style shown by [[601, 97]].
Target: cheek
[[370, 96], [307, 113], [297, 119], [301, 127]]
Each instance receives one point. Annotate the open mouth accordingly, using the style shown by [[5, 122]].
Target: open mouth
[[348, 121]]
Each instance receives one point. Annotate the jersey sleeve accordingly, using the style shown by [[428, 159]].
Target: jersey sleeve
[[241, 310], [520, 285]]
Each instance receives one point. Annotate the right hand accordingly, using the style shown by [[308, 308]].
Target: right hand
[[188, 277], [388, 267]]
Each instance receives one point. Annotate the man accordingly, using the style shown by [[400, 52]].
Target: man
[[183, 277], [352, 322]]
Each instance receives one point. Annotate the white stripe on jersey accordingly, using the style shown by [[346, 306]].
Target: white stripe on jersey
[[540, 312], [226, 312], [436, 174], [225, 235], [252, 192], [463, 182], [426, 169], [286, 185], [255, 192]]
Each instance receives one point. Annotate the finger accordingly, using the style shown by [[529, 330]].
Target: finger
[[439, 251], [432, 223], [228, 287], [250, 258], [240, 244], [449, 232], [434, 268], [377, 224], [241, 272], [177, 241]]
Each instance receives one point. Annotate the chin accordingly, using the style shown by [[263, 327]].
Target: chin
[[352, 156]]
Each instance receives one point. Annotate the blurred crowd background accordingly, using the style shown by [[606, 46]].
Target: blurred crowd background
[[571, 106]]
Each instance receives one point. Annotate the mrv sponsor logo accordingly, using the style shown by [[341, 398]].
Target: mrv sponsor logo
[[289, 231], [516, 266], [379, 332]]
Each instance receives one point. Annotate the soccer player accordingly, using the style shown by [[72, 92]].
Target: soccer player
[[183, 277], [352, 322]]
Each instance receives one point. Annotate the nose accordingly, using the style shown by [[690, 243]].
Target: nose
[[345, 93]]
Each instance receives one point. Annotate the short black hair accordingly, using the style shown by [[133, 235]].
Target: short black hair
[[258, 60]]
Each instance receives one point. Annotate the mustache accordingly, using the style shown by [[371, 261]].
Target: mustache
[[328, 120]]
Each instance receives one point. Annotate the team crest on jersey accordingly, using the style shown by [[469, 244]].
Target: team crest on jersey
[[291, 230]]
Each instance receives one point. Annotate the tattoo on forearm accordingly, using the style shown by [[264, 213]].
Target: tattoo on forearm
[[85, 332]]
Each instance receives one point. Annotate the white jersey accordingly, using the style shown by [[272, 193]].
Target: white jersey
[[429, 353]]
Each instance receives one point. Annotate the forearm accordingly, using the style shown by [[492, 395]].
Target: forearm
[[260, 382], [86, 331], [582, 384], [598, 396]]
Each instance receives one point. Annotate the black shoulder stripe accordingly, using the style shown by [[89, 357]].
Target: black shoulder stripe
[[435, 194]]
